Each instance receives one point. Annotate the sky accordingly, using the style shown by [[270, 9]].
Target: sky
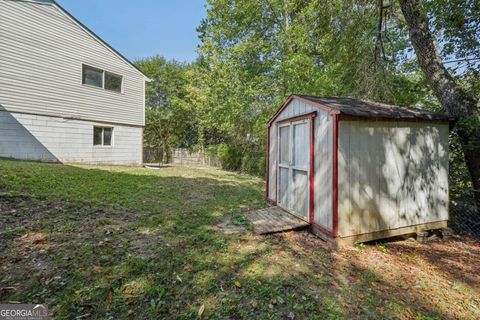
[[143, 28]]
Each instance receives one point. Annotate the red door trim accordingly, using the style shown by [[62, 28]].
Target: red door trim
[[312, 169], [335, 176], [311, 116], [298, 118], [267, 169]]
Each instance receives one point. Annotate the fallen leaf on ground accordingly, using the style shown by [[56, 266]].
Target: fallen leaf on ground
[[201, 310]]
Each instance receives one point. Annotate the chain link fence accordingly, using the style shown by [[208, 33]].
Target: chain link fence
[[464, 216], [151, 155]]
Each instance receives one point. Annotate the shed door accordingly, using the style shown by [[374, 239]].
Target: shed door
[[293, 167]]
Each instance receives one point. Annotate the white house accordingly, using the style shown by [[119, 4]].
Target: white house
[[359, 170], [65, 94]]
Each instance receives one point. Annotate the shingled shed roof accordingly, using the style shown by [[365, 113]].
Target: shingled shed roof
[[372, 109]]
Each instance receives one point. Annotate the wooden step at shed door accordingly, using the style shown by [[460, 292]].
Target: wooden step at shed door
[[275, 219]]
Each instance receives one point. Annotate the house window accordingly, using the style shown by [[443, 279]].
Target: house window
[[92, 76], [102, 136], [101, 79], [113, 82]]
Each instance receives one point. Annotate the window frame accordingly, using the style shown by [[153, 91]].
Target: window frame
[[102, 144], [84, 67], [104, 72]]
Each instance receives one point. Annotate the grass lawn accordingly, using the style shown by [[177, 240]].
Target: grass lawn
[[118, 243]]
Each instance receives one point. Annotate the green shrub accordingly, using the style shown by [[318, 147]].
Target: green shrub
[[230, 157], [254, 164]]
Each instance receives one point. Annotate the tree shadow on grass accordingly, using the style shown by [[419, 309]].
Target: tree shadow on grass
[[94, 231], [383, 280], [135, 189], [295, 273], [99, 244], [457, 258]]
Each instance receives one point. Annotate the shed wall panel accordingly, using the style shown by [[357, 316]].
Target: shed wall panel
[[323, 169], [272, 186], [391, 175], [295, 108], [42, 52]]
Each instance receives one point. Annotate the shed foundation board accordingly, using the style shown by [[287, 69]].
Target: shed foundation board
[[342, 242], [275, 219]]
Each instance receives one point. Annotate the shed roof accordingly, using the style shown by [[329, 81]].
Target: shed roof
[[372, 109]]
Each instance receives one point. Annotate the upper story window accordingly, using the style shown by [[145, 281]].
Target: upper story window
[[113, 82], [101, 79]]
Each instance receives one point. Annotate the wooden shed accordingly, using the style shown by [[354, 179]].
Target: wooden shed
[[359, 170]]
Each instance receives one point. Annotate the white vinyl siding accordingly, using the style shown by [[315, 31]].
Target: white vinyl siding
[[42, 53]]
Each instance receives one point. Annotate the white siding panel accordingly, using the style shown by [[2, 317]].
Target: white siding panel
[[391, 175], [295, 108], [323, 169], [42, 52], [42, 138], [272, 192], [344, 197]]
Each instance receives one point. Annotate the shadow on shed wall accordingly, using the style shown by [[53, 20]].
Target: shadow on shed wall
[[394, 176]]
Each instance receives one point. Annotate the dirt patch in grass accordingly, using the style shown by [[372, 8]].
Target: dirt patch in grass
[[144, 245], [44, 243], [232, 224]]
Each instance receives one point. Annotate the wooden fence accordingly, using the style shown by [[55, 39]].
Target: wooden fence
[[193, 158]]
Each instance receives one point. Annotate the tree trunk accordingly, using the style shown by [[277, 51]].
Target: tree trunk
[[165, 154], [455, 101], [158, 154]]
